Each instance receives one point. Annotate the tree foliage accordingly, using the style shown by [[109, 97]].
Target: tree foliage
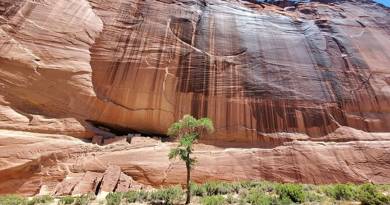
[[188, 130]]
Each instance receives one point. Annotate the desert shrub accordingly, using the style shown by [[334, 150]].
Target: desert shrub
[[384, 189], [213, 200], [258, 198], [131, 196], [198, 190], [369, 199], [230, 199], [167, 196], [12, 200], [136, 196], [263, 186], [368, 194], [269, 186], [294, 192], [308, 187], [341, 191], [235, 187], [216, 188], [40, 200], [114, 198], [283, 201], [249, 184], [143, 195], [84, 199], [242, 196], [66, 200], [314, 197]]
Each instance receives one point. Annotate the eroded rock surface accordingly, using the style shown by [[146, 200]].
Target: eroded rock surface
[[305, 89], [143, 64], [73, 167]]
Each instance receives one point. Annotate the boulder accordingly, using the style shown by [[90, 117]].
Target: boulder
[[110, 178], [89, 183], [66, 186], [124, 183]]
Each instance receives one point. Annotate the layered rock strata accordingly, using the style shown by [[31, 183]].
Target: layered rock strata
[[304, 89], [140, 65], [63, 165]]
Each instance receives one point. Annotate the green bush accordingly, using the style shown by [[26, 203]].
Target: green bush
[[294, 192], [249, 192], [40, 200], [341, 191], [12, 200], [308, 187], [136, 196], [213, 200], [313, 196], [256, 197], [249, 184], [198, 190], [66, 200], [369, 195], [143, 195], [84, 199], [216, 187], [283, 201], [114, 198], [131, 196], [263, 186], [235, 187], [167, 196]]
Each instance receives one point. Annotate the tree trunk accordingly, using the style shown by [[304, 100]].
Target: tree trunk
[[188, 199]]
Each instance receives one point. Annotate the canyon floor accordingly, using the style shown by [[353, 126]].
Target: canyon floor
[[222, 193]]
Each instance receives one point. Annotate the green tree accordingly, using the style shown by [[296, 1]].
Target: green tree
[[188, 130]]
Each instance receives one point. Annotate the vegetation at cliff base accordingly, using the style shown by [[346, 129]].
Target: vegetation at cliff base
[[12, 200], [225, 193]]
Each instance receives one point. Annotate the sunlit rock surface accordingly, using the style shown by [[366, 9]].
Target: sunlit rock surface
[[142, 65], [65, 165], [267, 76]]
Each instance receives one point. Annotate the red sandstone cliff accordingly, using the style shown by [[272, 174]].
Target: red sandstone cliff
[[294, 84]]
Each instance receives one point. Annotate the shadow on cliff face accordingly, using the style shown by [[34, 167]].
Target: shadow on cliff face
[[253, 72], [108, 131]]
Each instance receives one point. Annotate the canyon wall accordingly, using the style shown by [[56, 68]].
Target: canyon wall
[[33, 163], [267, 76], [143, 64]]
